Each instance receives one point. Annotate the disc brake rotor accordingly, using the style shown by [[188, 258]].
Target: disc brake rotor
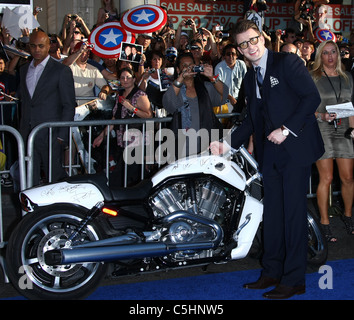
[[54, 240]]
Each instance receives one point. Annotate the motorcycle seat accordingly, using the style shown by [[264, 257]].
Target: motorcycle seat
[[137, 192]]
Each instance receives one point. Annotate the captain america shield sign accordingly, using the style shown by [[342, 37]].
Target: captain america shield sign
[[107, 39], [144, 19], [324, 35]]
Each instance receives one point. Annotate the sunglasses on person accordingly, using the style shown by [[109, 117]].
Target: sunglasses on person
[[253, 41]]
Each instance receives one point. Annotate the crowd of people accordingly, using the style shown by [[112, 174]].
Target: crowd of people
[[206, 69]]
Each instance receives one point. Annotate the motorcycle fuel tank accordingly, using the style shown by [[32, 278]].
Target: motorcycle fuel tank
[[217, 166]]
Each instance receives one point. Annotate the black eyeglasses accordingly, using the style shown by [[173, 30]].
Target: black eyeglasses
[[253, 41], [53, 41], [229, 54]]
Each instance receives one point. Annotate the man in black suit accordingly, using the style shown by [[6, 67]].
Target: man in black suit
[[47, 95], [281, 102]]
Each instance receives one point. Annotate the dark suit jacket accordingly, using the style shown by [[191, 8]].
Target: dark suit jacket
[[290, 98], [52, 101]]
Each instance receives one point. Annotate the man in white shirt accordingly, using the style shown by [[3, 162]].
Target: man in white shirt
[[47, 95], [231, 71], [86, 76]]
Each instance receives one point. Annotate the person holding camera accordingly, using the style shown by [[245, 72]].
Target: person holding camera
[[131, 102], [194, 99], [74, 28], [335, 86]]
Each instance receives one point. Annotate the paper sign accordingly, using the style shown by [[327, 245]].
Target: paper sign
[[342, 110]]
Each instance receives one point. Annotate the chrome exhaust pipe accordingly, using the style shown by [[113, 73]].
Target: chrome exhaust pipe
[[110, 249], [121, 252]]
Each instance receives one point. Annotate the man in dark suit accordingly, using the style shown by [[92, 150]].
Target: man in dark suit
[[47, 95], [281, 103]]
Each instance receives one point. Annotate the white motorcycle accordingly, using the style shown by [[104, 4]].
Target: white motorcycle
[[199, 210]]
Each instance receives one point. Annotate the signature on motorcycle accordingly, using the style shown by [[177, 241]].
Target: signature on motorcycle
[[78, 192]]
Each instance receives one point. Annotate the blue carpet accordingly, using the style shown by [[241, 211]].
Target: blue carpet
[[337, 280]]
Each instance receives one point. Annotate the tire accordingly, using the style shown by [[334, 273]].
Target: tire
[[48, 229], [317, 244]]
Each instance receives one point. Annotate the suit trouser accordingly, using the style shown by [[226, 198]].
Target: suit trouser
[[285, 216]]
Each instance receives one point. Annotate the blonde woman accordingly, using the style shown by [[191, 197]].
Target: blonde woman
[[335, 86], [107, 12]]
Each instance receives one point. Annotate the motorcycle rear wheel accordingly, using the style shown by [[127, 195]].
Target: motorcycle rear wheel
[[49, 229]]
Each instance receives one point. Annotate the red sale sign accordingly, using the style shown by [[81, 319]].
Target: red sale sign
[[227, 13]]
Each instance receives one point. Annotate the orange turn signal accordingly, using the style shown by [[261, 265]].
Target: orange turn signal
[[111, 212]]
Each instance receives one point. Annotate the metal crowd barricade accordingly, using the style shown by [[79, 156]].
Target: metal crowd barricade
[[106, 123], [22, 177], [90, 124]]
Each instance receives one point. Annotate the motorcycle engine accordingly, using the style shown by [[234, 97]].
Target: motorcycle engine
[[210, 202], [209, 199]]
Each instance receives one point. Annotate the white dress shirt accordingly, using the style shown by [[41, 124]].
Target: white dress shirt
[[33, 75]]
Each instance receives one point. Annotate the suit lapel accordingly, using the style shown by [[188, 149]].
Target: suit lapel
[[44, 77]]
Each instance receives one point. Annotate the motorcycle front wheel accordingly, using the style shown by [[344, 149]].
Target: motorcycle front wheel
[[49, 229]]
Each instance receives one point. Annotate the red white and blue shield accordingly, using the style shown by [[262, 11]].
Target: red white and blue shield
[[144, 19], [107, 39], [325, 35]]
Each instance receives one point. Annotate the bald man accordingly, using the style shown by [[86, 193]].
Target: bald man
[[47, 95]]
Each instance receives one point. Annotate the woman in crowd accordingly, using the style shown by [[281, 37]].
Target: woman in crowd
[[335, 87], [107, 13], [195, 98], [132, 102]]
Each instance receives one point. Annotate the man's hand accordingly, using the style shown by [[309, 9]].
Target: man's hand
[[217, 148], [277, 136]]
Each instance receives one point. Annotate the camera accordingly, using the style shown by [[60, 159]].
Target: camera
[[223, 35], [198, 69], [152, 70], [189, 22], [307, 10], [219, 28]]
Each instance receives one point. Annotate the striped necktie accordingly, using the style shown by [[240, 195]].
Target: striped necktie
[[259, 77]]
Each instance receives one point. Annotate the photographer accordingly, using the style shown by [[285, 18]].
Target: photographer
[[195, 98], [150, 82], [74, 28]]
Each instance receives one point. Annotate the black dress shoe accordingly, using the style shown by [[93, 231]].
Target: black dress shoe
[[262, 283], [284, 292]]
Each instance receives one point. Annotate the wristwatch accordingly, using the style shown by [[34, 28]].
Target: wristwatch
[[285, 131]]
